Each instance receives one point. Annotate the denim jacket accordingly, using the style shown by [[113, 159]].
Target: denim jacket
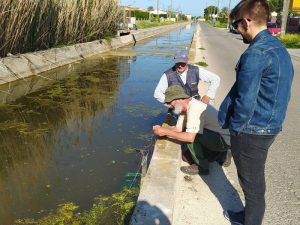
[[258, 100]]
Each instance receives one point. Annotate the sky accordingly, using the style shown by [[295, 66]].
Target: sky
[[194, 7]]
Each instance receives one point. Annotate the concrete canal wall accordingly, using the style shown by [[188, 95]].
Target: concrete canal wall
[[24, 65], [159, 189]]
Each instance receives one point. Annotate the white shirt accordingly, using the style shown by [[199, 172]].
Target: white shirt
[[204, 75], [199, 116]]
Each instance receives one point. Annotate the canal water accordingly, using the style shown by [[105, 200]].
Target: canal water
[[79, 129]]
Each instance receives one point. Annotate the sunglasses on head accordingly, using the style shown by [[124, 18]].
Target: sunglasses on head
[[236, 23]]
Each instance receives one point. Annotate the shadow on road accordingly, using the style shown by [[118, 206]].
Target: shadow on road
[[145, 213], [220, 186]]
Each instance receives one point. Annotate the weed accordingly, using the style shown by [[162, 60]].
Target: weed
[[202, 63]]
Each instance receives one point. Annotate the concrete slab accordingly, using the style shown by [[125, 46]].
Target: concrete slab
[[200, 200]]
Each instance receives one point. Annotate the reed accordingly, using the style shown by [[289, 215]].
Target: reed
[[30, 25]]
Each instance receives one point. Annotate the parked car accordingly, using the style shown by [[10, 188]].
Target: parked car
[[232, 30], [274, 28]]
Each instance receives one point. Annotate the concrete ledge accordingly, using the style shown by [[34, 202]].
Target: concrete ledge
[[157, 196], [24, 65]]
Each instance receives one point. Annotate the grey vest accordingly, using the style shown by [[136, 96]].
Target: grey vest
[[192, 79]]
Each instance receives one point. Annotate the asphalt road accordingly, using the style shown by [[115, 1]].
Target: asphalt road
[[221, 52]]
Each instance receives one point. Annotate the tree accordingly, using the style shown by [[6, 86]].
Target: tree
[[224, 12], [210, 10], [276, 5], [150, 8], [223, 15]]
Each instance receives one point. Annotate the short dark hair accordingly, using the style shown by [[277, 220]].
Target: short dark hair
[[256, 10]]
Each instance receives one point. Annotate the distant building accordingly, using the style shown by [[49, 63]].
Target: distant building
[[188, 16], [160, 12]]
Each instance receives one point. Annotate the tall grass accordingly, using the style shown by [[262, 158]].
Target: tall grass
[[29, 25]]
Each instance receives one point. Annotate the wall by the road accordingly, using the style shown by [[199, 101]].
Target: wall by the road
[[24, 65]]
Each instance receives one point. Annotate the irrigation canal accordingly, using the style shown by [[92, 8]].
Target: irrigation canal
[[81, 131]]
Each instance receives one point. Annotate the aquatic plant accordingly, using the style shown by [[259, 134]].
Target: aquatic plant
[[112, 210], [140, 110], [28, 126], [40, 24]]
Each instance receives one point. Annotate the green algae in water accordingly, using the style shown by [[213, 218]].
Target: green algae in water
[[34, 119], [129, 150], [141, 110], [109, 210], [145, 137]]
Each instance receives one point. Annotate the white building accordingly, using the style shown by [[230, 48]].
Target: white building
[[154, 12], [189, 17]]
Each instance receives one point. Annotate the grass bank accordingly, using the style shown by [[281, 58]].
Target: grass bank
[[145, 24], [40, 24], [291, 40]]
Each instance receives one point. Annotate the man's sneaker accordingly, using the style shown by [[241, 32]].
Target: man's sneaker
[[228, 157], [193, 169], [236, 218]]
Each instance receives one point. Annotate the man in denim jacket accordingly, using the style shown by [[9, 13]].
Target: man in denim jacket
[[256, 105]]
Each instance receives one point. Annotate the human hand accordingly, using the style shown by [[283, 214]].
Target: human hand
[[205, 99], [158, 130], [168, 105]]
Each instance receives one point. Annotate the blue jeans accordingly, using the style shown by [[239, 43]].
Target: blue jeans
[[250, 153]]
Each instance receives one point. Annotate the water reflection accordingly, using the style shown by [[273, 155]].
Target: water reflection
[[30, 127], [76, 133]]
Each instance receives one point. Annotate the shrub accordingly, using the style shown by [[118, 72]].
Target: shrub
[[291, 40], [140, 15]]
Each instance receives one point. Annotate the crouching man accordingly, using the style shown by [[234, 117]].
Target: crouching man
[[197, 126]]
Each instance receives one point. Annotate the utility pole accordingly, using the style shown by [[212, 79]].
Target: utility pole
[[286, 4], [171, 8], [157, 9], [229, 5]]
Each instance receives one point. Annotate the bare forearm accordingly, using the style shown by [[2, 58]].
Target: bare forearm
[[180, 136], [174, 134]]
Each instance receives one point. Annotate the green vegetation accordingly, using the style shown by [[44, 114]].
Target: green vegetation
[[34, 25], [140, 15], [220, 25], [140, 110], [145, 24], [129, 150], [291, 40], [202, 63], [276, 5], [202, 48], [113, 210], [209, 11]]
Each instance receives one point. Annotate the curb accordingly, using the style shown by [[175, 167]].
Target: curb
[[24, 65]]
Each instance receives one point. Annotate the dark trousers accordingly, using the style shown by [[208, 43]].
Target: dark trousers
[[208, 147], [250, 153]]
